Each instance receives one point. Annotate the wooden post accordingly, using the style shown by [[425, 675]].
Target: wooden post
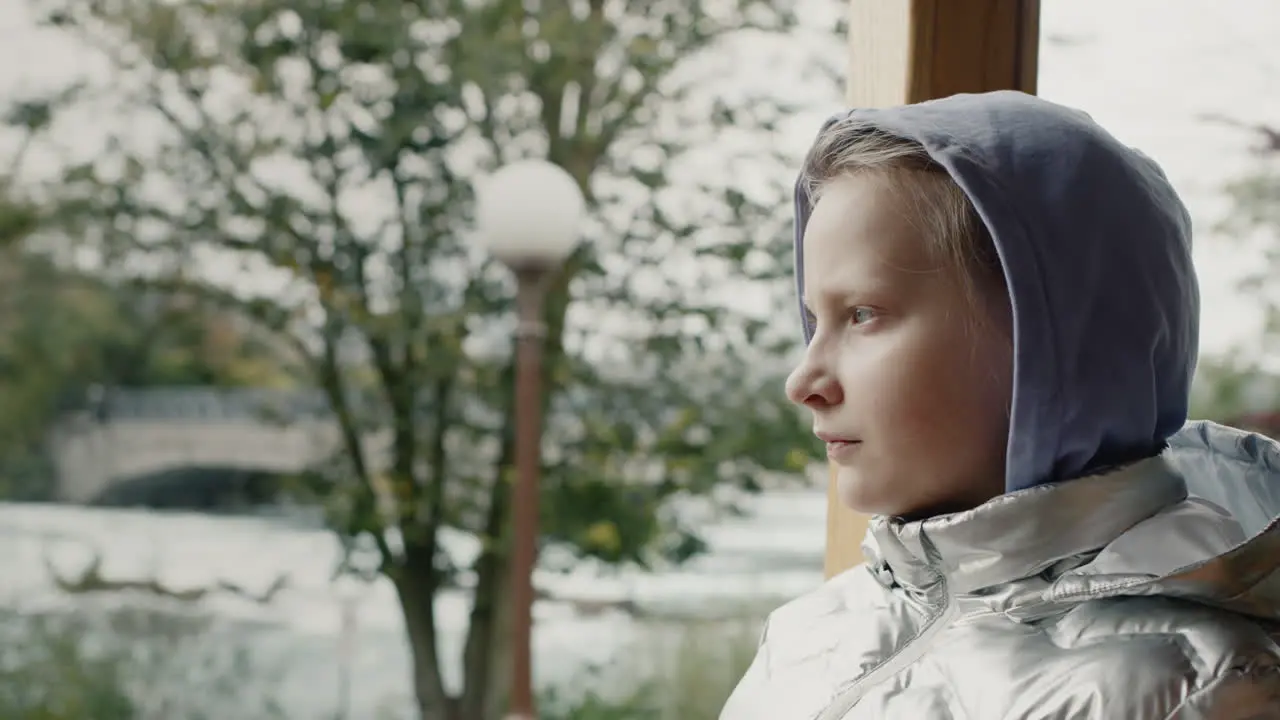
[[906, 51]]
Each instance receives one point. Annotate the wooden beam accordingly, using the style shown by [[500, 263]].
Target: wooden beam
[[906, 51]]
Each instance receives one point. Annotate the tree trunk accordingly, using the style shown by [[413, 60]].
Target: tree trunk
[[494, 693], [485, 663], [414, 585]]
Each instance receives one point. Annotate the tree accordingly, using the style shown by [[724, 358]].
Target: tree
[[62, 333], [1242, 387], [325, 150], [30, 397], [1255, 221]]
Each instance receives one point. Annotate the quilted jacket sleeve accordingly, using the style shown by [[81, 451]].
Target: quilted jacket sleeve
[[1239, 695]]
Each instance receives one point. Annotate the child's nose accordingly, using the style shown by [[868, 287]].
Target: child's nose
[[814, 388], [826, 392]]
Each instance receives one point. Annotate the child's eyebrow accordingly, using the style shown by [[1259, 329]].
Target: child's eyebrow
[[863, 289], [831, 298]]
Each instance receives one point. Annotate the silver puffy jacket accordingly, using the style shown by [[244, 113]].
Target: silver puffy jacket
[[1147, 593]]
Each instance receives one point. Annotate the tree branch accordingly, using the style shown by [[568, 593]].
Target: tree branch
[[91, 581]]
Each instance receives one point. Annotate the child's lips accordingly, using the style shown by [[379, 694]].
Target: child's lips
[[838, 446], [841, 449]]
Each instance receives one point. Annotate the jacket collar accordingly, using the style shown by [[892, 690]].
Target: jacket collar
[[1020, 534]]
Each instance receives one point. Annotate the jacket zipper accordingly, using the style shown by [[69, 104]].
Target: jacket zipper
[[844, 701]]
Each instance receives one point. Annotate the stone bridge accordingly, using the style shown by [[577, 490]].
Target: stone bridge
[[126, 435]]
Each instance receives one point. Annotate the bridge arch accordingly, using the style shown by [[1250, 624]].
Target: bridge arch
[[150, 435]]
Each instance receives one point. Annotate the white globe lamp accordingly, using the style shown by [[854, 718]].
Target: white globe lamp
[[529, 213]]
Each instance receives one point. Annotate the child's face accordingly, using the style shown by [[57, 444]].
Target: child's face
[[902, 364]]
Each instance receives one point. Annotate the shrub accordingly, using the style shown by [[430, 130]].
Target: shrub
[[682, 670], [126, 665]]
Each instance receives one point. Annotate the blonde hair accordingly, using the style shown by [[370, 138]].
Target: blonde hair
[[938, 207]]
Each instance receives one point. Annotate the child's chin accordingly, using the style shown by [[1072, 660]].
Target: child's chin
[[864, 493]]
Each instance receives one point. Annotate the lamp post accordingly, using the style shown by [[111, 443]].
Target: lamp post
[[528, 215]]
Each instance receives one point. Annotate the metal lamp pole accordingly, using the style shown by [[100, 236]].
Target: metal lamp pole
[[530, 336], [528, 214]]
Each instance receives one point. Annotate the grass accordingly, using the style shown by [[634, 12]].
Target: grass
[[126, 665], [683, 670], [145, 665]]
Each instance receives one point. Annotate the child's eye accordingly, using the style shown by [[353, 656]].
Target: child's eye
[[862, 315]]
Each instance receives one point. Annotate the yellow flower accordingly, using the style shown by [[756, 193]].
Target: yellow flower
[[603, 535], [797, 459]]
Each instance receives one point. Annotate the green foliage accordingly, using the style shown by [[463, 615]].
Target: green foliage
[[1254, 222], [126, 665], [331, 146], [1223, 389], [1239, 384], [595, 707], [64, 334], [17, 221], [682, 670]]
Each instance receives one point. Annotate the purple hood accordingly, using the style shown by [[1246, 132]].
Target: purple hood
[[1096, 249]]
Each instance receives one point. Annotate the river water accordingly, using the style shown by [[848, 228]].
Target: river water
[[758, 560]]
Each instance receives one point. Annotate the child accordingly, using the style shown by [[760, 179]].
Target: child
[[1002, 318]]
